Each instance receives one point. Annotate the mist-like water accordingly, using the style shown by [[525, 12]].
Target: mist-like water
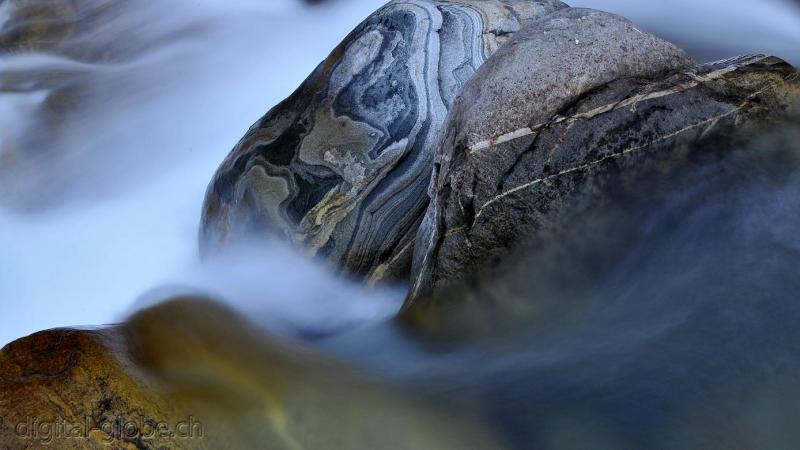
[[668, 322], [109, 209], [102, 203], [677, 327]]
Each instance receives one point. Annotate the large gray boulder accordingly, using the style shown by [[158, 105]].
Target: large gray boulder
[[567, 105], [542, 72], [341, 167]]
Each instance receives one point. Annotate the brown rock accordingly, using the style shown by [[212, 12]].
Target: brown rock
[[197, 370]]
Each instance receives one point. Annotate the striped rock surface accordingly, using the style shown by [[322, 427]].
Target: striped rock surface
[[494, 194], [342, 166]]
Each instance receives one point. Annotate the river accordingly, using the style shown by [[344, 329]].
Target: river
[[100, 203]]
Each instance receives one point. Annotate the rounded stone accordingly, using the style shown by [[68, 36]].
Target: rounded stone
[[211, 379], [561, 104], [342, 166]]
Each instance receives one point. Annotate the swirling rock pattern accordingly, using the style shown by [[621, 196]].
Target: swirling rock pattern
[[492, 195], [341, 167]]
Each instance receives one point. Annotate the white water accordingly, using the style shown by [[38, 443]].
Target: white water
[[172, 119], [126, 203]]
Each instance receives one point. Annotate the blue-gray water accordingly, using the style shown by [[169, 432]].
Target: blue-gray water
[[677, 329], [106, 205], [670, 321]]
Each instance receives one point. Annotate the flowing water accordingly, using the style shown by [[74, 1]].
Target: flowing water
[[109, 138], [102, 203]]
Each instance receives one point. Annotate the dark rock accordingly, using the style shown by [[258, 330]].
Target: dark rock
[[212, 379], [497, 187], [341, 167]]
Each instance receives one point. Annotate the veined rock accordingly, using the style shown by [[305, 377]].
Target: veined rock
[[529, 136], [342, 166]]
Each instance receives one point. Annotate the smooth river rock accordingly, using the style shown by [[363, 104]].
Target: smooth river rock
[[542, 72], [503, 177], [89, 31], [342, 166], [69, 29], [192, 374]]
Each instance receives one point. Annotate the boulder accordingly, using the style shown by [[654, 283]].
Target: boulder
[[192, 374], [341, 167], [71, 388], [566, 105]]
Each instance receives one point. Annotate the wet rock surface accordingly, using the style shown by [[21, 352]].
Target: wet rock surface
[[723, 211], [341, 167], [490, 196], [198, 371], [81, 378]]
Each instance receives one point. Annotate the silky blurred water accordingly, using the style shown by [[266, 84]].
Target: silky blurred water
[[106, 206], [104, 163], [100, 203], [663, 319]]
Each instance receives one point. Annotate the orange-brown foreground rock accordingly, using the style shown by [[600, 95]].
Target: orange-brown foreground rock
[[191, 374]]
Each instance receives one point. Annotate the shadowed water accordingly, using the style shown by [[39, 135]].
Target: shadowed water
[[665, 319]]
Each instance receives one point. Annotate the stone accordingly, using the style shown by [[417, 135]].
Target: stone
[[50, 27], [196, 369], [503, 177], [341, 167], [81, 379]]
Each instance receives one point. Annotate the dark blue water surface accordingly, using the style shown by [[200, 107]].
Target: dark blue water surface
[[668, 319]]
